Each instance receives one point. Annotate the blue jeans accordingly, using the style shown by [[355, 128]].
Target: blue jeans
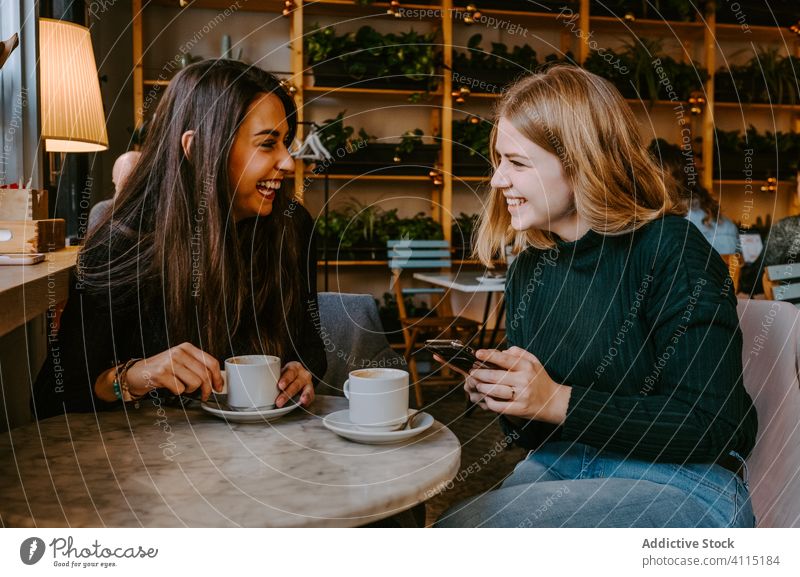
[[574, 485]]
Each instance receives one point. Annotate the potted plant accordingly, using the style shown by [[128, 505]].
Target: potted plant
[[461, 235], [640, 79], [364, 155], [676, 10], [471, 137], [544, 6], [768, 77], [773, 155], [484, 71], [369, 59]]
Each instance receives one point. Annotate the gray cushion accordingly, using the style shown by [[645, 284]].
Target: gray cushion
[[353, 338]]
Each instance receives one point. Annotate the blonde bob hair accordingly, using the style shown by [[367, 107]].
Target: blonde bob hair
[[582, 119]]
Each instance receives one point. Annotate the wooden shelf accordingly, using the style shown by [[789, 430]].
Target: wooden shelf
[[156, 82], [275, 6], [374, 10], [755, 181], [681, 29], [381, 263], [759, 106], [364, 91], [769, 33], [397, 177]]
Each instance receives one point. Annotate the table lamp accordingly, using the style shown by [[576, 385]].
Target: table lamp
[[72, 108]]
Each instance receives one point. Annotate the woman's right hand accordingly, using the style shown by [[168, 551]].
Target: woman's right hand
[[181, 369]]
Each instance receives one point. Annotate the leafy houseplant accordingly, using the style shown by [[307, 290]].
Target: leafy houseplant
[[767, 77], [364, 155], [358, 231], [471, 137], [545, 6], [678, 10], [768, 154], [484, 71], [461, 233], [337, 137], [641, 80], [369, 59]]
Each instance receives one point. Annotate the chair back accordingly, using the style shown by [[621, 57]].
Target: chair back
[[416, 255], [782, 282], [353, 337], [771, 332]]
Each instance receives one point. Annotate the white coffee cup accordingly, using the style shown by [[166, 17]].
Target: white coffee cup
[[378, 398], [252, 381]]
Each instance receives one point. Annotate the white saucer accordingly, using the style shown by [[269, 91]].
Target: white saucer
[[217, 405], [339, 423], [491, 279]]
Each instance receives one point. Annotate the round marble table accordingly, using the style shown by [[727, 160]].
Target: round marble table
[[172, 467]]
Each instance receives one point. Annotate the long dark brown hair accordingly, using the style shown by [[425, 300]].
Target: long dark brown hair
[[171, 237]]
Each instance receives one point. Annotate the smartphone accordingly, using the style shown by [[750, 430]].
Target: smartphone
[[456, 353], [21, 258]]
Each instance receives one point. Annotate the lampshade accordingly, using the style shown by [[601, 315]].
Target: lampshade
[[72, 109]]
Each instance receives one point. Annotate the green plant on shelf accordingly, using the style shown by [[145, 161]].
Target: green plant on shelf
[[368, 54], [409, 142], [358, 226], [335, 135], [519, 59], [640, 78], [473, 134], [767, 153], [769, 77], [679, 10], [461, 232]]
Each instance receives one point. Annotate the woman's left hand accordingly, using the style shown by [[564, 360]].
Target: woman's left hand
[[523, 389], [295, 379]]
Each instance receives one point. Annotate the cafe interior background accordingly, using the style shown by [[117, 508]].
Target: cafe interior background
[[406, 112]]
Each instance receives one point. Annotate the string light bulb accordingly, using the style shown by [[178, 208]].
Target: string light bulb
[[771, 185], [288, 7], [394, 5], [461, 94], [472, 14], [696, 103]]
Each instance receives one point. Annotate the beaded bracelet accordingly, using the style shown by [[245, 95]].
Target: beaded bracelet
[[121, 390]]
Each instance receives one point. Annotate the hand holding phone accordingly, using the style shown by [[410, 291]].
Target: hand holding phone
[[456, 354]]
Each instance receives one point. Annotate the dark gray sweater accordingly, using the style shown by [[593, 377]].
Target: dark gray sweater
[[643, 327]]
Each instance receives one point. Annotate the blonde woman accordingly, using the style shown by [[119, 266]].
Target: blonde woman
[[623, 374]]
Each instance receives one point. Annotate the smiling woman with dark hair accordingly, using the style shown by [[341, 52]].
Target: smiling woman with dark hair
[[204, 256]]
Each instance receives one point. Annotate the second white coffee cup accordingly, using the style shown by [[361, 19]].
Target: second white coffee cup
[[378, 398], [252, 381]]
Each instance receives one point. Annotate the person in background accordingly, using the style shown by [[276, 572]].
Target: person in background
[[205, 256], [623, 375], [123, 167], [703, 209]]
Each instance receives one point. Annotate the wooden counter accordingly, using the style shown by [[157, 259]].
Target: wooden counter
[[27, 291]]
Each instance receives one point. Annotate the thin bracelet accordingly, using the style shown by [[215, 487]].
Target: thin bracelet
[[121, 382]]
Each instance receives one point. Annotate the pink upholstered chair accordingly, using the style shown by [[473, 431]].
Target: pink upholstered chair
[[771, 363]]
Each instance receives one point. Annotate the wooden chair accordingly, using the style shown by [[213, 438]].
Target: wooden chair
[[440, 323], [734, 262], [782, 283]]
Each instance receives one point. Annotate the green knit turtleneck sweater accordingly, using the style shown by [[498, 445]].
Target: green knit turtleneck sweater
[[643, 327]]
